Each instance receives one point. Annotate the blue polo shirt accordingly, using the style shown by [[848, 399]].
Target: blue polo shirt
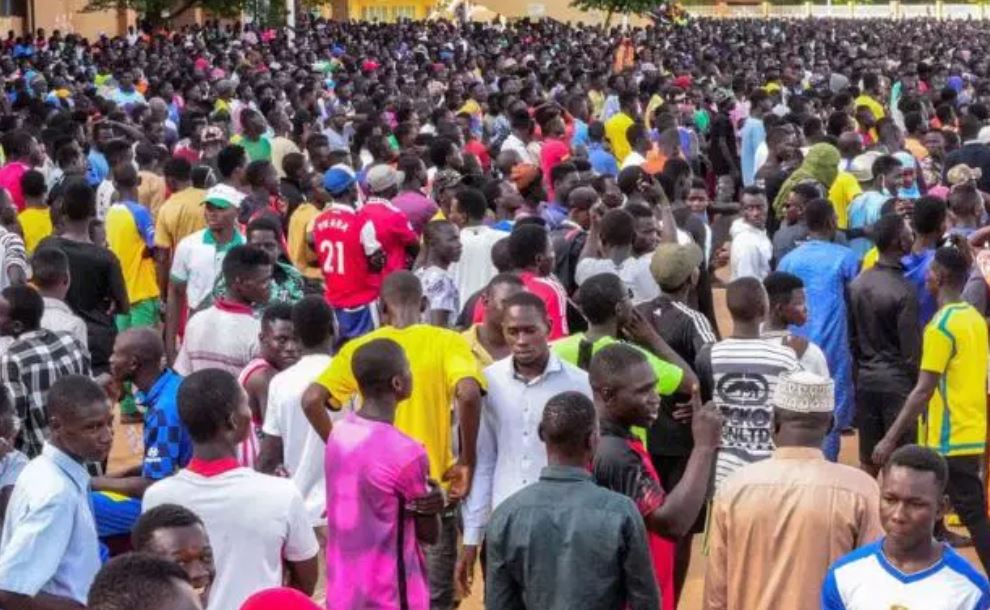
[[167, 446], [49, 542]]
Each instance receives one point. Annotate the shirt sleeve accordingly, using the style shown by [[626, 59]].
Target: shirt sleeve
[[502, 589], [637, 566], [39, 538], [180, 264], [15, 255], [618, 468], [588, 267], [338, 379], [145, 224], [936, 350], [411, 480], [460, 363], [300, 541], [369, 239], [831, 599], [478, 504], [272, 426], [669, 376]]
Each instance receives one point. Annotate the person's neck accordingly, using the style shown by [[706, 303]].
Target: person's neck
[[231, 296], [127, 194], [809, 439], [618, 253], [680, 295], [223, 235], [403, 318], [745, 329], [776, 323], [491, 336], [947, 296], [598, 331], [52, 293], [35, 204], [892, 259], [378, 408], [323, 349], [925, 242], [434, 260], [181, 186], [534, 370], [76, 230], [564, 460], [217, 449], [820, 235], [55, 442], [912, 558], [144, 378]]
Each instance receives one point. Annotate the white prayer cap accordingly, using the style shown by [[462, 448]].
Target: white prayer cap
[[805, 392]]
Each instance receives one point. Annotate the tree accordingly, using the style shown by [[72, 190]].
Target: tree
[[157, 11], [635, 7]]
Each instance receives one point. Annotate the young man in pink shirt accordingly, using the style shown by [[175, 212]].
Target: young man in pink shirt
[[379, 496]]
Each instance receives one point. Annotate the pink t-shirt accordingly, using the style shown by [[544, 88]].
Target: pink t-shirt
[[10, 179], [372, 469]]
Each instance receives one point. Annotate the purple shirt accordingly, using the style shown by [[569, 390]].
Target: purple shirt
[[418, 208], [372, 469]]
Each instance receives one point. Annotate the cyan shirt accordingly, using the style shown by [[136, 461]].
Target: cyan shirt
[[49, 542]]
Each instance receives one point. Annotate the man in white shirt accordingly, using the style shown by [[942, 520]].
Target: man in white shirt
[[616, 234], [290, 444], [519, 141], [510, 452], [475, 268], [50, 275], [256, 523], [751, 250], [639, 141]]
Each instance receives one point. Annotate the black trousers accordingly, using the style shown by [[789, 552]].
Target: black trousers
[[968, 496]]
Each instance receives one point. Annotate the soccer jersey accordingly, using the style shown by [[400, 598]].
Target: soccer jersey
[[131, 235], [36, 223], [344, 240], [197, 264], [392, 229], [955, 347], [866, 580]]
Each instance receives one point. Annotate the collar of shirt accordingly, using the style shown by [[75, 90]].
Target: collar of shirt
[[224, 304], [73, 469], [564, 473], [212, 468], [52, 303], [611, 428], [798, 453], [553, 366], [898, 267], [164, 380], [236, 240]]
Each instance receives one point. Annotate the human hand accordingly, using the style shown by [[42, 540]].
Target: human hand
[[635, 326], [881, 453], [464, 570], [430, 504], [706, 423], [459, 476]]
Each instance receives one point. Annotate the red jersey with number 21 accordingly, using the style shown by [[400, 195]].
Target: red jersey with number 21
[[344, 239]]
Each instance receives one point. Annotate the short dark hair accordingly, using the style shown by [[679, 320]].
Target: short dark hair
[[780, 285], [33, 183], [49, 266], [928, 215], [818, 213], [254, 175], [527, 299], [401, 287], [207, 398], [887, 231], [263, 223], [921, 459], [313, 320], [179, 169], [69, 393], [116, 151], [744, 298], [135, 580], [598, 297], [439, 150], [608, 363], [884, 164], [375, 363], [276, 311], [955, 264], [508, 279], [78, 200], [242, 260], [164, 516], [125, 175], [472, 202], [526, 242], [26, 305], [16, 144], [568, 420], [618, 228], [561, 171], [230, 158]]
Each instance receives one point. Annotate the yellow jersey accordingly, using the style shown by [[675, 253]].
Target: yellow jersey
[[130, 235], [36, 223], [182, 214], [615, 132], [955, 347], [303, 257], [438, 359], [843, 191]]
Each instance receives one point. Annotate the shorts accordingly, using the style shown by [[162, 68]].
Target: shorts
[[875, 414], [670, 469], [352, 322], [146, 312]]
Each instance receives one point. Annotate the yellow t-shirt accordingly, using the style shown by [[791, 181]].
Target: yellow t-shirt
[[955, 346], [615, 132], [870, 259], [36, 224], [843, 191], [130, 236], [438, 359], [182, 214], [303, 257]]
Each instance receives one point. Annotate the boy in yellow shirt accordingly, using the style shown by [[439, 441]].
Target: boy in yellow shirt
[[35, 218]]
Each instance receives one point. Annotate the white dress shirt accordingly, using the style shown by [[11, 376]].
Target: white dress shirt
[[749, 252], [475, 268], [510, 452]]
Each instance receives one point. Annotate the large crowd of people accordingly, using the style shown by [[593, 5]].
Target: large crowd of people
[[391, 308]]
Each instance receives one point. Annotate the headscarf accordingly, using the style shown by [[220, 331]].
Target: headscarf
[[907, 160], [821, 164]]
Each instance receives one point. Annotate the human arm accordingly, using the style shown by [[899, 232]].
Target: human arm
[[914, 406], [635, 326], [173, 311], [908, 334], [163, 258], [668, 225], [301, 547], [315, 402], [638, 576], [592, 245], [130, 486], [478, 504], [831, 599], [467, 396], [118, 289]]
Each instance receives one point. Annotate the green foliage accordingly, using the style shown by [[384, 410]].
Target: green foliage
[[153, 9], [634, 7]]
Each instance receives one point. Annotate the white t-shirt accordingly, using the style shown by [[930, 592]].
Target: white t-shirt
[[475, 268], [254, 521], [302, 448], [198, 262], [750, 251], [634, 273]]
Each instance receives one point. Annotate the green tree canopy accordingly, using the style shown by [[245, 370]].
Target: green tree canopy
[[634, 7], [162, 10]]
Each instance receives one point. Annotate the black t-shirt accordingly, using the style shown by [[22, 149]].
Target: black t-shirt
[[686, 331], [722, 131], [95, 277]]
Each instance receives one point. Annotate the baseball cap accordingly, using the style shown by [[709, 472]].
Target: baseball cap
[[224, 196], [672, 264], [381, 178], [336, 180], [962, 173]]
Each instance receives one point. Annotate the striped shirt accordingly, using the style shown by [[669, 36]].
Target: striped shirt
[[12, 254], [740, 375], [224, 336]]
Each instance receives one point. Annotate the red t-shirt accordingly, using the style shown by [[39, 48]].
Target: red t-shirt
[[550, 292], [344, 239], [392, 229]]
